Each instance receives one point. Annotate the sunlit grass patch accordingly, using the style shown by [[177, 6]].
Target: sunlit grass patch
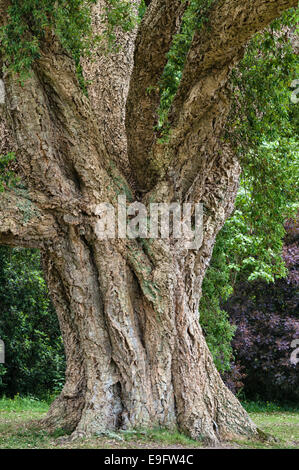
[[20, 429], [23, 404]]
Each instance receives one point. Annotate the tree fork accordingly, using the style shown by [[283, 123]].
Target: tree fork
[[125, 362]]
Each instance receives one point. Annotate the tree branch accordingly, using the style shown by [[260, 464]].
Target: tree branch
[[108, 78], [61, 149], [53, 124], [202, 104], [231, 24], [22, 223], [162, 20]]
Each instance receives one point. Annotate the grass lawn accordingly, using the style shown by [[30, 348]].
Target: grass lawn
[[19, 430]]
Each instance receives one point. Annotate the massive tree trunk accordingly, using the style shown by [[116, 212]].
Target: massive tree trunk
[[128, 308]]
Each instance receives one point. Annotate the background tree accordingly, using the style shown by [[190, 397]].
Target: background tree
[[34, 361], [267, 322], [85, 131], [265, 132]]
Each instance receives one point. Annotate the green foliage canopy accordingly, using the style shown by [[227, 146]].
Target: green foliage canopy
[[30, 21], [263, 128]]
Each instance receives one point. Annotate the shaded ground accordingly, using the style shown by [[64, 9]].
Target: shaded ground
[[19, 430]]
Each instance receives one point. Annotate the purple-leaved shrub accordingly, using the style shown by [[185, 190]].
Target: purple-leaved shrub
[[267, 320]]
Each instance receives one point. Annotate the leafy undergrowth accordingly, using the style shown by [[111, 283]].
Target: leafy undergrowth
[[269, 407], [19, 429]]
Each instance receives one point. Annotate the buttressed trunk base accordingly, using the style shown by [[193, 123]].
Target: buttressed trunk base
[[136, 355]]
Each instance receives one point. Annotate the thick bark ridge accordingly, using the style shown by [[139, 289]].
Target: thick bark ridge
[[128, 309]]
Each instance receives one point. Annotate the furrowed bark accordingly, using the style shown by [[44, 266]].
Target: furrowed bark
[[108, 78], [230, 25], [135, 346], [22, 223], [66, 410], [128, 309], [99, 406], [202, 103], [162, 20]]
